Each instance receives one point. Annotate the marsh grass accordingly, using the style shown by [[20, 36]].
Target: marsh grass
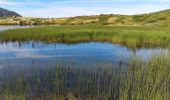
[[133, 81], [131, 36], [136, 80]]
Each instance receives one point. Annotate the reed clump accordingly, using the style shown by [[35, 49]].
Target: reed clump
[[135, 80]]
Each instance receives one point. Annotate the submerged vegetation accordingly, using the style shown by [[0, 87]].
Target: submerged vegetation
[[133, 81], [132, 36]]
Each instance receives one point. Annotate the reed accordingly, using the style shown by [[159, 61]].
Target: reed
[[132, 36], [136, 80]]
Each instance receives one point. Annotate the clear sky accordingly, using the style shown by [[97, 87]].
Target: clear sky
[[67, 8]]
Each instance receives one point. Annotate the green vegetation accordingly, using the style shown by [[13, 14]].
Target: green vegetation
[[133, 81], [131, 36], [161, 18], [14, 20]]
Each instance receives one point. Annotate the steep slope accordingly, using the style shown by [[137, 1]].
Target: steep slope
[[7, 13]]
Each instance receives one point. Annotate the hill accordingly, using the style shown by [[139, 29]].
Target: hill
[[161, 18], [7, 13]]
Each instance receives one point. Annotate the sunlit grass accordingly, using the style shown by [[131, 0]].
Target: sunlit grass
[[138, 36]]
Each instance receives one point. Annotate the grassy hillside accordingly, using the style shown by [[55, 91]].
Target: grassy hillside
[[161, 18]]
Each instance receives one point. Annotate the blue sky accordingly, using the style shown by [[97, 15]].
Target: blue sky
[[67, 8]]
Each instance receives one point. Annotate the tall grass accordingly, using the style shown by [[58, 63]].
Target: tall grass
[[134, 36], [133, 81]]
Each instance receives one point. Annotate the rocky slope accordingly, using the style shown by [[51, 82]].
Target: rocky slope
[[7, 13]]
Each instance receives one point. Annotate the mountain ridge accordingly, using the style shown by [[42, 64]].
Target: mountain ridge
[[8, 13]]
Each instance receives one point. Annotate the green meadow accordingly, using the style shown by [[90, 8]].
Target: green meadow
[[131, 36]]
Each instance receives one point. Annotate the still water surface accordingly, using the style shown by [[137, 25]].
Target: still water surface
[[7, 27], [41, 54], [31, 53]]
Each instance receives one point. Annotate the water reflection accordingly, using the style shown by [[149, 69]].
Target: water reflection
[[43, 54], [36, 70], [7, 27]]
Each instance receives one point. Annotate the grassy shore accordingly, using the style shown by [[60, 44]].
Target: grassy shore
[[135, 81], [133, 36]]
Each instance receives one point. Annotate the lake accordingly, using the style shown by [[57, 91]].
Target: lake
[[26, 55], [42, 54], [93, 70]]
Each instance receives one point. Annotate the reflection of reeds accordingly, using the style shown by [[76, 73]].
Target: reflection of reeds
[[129, 36], [135, 81]]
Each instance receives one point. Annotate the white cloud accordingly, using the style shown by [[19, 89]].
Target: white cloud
[[7, 3]]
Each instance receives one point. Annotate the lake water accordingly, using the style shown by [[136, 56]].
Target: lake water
[[40, 68], [41, 54], [7, 27]]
